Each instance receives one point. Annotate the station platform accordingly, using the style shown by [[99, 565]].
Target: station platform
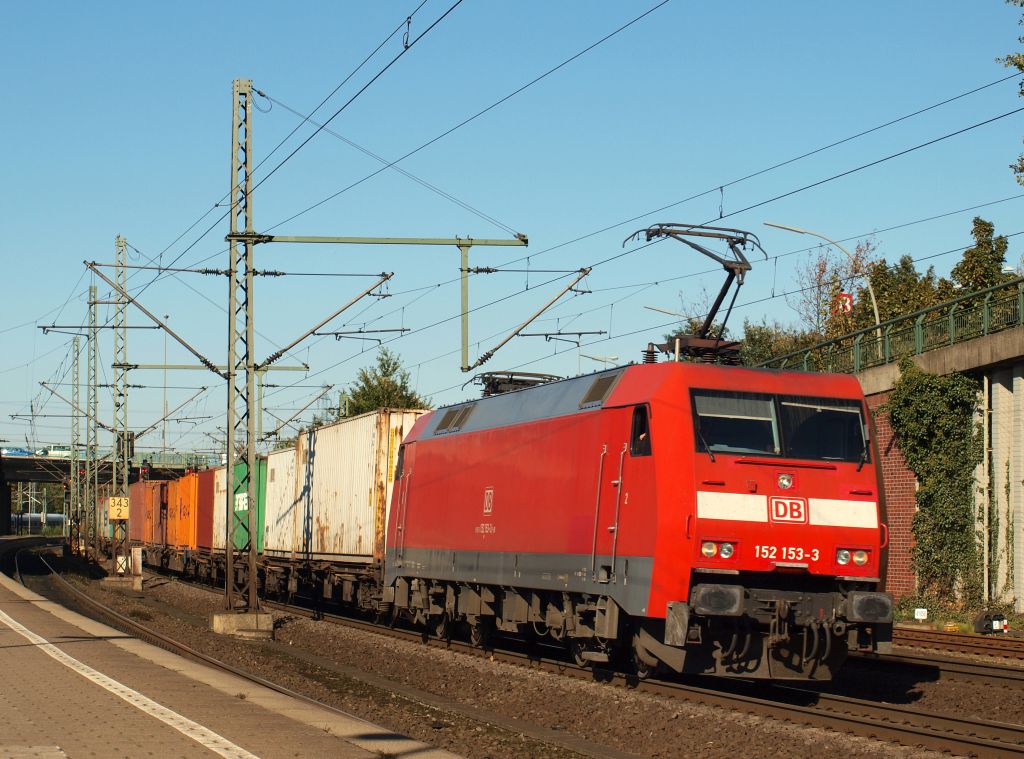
[[72, 687]]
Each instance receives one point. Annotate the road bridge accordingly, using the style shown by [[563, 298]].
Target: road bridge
[[52, 469], [980, 334]]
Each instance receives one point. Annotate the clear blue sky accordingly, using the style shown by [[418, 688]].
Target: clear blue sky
[[116, 120]]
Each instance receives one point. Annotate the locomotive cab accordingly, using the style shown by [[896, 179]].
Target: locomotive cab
[[786, 535]]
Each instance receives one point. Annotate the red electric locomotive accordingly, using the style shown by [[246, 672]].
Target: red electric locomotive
[[707, 519]]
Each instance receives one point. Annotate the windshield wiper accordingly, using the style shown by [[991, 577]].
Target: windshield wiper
[[863, 456], [706, 446]]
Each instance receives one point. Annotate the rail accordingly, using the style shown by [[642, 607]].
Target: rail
[[903, 724], [964, 318]]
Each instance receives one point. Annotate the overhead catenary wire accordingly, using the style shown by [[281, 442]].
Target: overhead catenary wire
[[649, 212], [903, 225], [408, 174], [763, 171], [803, 188], [758, 301], [227, 195], [812, 185], [476, 115], [405, 49], [612, 337], [807, 186]]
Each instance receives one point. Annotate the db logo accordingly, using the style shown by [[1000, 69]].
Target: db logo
[[788, 510]]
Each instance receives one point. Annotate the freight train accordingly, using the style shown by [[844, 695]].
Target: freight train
[[683, 516]]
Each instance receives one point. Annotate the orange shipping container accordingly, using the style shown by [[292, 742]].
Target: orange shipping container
[[181, 511]]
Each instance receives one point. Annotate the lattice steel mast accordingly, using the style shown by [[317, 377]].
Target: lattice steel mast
[[75, 492], [92, 429], [240, 589], [122, 437]]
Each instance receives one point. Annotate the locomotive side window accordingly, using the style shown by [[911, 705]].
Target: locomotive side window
[[400, 463], [640, 437], [823, 428], [730, 422]]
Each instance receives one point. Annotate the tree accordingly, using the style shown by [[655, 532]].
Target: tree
[[982, 265], [764, 341], [1016, 60], [819, 282], [900, 289], [385, 385]]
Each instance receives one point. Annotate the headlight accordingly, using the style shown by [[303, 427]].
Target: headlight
[[860, 558], [842, 556], [725, 550], [708, 548]]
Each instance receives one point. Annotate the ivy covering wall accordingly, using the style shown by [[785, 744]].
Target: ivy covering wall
[[934, 420]]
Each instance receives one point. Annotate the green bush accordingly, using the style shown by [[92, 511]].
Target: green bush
[[934, 420]]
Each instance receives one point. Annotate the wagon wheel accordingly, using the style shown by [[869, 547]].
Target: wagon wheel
[[480, 632], [439, 626], [576, 649]]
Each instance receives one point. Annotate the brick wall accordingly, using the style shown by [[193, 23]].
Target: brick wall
[[900, 487]]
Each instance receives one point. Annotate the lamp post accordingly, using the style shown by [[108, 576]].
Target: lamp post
[[853, 262], [603, 359], [666, 311]]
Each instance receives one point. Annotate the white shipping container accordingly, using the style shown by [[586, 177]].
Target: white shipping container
[[220, 489], [343, 476], [282, 504]]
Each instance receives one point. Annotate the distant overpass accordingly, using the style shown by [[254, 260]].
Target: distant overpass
[[57, 469]]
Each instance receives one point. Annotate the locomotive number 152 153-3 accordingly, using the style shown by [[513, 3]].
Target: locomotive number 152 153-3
[[786, 553]]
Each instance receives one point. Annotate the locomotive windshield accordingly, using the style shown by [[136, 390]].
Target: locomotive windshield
[[803, 427]]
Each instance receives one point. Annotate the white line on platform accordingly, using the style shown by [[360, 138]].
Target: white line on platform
[[202, 735]]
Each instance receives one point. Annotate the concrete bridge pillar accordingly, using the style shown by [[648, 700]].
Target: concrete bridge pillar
[[1004, 488]]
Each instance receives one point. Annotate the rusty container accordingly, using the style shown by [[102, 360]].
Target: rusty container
[[138, 494], [173, 507], [329, 497], [156, 515], [204, 509], [282, 502]]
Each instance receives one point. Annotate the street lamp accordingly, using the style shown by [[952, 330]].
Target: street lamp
[[603, 359], [666, 311], [853, 262]]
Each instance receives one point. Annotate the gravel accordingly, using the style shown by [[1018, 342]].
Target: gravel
[[481, 708]]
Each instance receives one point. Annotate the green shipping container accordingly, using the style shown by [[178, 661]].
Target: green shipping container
[[241, 507]]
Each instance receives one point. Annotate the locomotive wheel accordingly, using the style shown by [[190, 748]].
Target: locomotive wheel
[[643, 669]]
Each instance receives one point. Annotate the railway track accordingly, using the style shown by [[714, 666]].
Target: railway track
[[963, 643], [996, 674], [546, 740], [889, 722]]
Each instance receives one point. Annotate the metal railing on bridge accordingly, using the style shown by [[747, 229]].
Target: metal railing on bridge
[[955, 321]]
